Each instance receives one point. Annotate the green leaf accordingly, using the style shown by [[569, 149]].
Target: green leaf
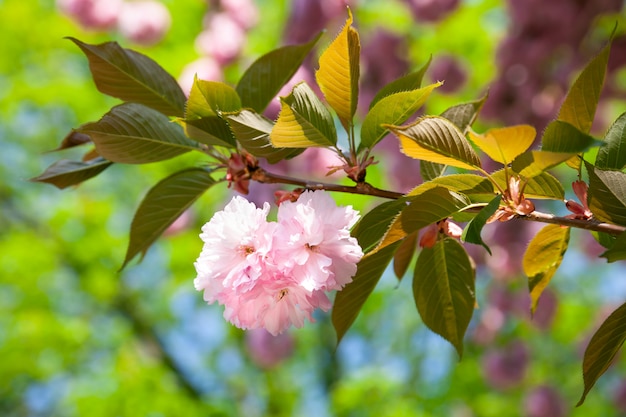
[[403, 256], [338, 75], [252, 131], [303, 121], [135, 134], [617, 252], [543, 257], [163, 204], [533, 163], [430, 170], [607, 195], [463, 115], [436, 139], [133, 77], [443, 288], [544, 185], [473, 186], [602, 348], [350, 300], [212, 130], [394, 109], [408, 82], [210, 98], [65, 173], [426, 208], [474, 227], [612, 155], [203, 121], [267, 75], [561, 136], [373, 226], [505, 144], [579, 107]]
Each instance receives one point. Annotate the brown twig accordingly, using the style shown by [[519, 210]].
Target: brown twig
[[364, 188]]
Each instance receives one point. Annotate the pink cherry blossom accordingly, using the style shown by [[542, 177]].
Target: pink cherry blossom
[[313, 241], [236, 241], [273, 275]]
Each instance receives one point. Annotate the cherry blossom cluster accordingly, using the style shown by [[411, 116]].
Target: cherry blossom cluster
[[144, 22], [275, 274]]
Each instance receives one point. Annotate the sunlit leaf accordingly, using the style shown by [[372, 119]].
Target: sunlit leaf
[[613, 154], [252, 131], [163, 204], [373, 226], [607, 195], [474, 227], [443, 288], [267, 75], [462, 116], [544, 185], [404, 254], [473, 186], [210, 98], [338, 74], [133, 77], [394, 109], [350, 300], [211, 130], [303, 121], [505, 144], [543, 257], [424, 209], [135, 134], [533, 163], [602, 348], [617, 252], [436, 139], [65, 173], [561, 136], [579, 107], [409, 82]]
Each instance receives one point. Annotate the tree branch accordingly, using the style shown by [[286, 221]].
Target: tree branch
[[363, 188]]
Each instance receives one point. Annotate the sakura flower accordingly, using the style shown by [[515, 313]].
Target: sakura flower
[[236, 242], [313, 241], [273, 275], [517, 204], [581, 211]]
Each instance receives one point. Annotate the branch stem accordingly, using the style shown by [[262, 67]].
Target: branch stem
[[364, 188]]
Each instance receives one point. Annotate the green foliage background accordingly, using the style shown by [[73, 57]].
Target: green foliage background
[[79, 338]]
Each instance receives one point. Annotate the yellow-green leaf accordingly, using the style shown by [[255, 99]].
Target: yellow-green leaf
[[303, 121], [543, 257], [338, 75], [394, 109], [505, 144], [443, 289], [579, 107], [436, 139]]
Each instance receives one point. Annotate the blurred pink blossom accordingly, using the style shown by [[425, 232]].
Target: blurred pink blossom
[[544, 401], [223, 39], [92, 14], [244, 12], [205, 68], [267, 350], [144, 22]]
